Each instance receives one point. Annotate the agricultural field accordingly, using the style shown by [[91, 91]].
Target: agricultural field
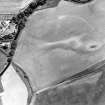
[[59, 57]]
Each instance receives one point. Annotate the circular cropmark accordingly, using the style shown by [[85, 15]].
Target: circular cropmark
[[93, 45]]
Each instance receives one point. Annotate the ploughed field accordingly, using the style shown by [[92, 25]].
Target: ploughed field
[[60, 42], [12, 6]]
